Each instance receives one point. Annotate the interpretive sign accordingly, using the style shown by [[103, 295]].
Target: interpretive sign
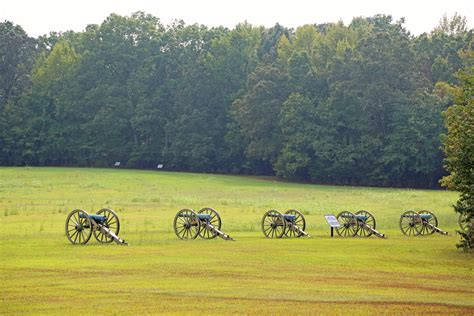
[[332, 220]]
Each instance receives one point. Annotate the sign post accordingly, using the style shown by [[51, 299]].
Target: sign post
[[332, 222]]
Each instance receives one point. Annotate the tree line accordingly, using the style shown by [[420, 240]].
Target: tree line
[[357, 104]]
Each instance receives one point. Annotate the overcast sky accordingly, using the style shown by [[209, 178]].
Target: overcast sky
[[43, 16]]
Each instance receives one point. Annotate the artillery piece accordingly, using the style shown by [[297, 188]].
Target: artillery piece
[[464, 221], [419, 223], [362, 224], [105, 226], [290, 224], [206, 223]]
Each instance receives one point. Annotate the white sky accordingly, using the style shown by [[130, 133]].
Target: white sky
[[43, 16]]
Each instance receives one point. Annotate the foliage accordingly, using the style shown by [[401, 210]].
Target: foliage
[[459, 147], [17, 57], [358, 104]]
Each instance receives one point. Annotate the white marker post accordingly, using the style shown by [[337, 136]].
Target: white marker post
[[332, 222]]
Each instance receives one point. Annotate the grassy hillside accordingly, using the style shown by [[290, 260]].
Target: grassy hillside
[[41, 272]]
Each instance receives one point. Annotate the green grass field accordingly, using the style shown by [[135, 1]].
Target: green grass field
[[42, 273]]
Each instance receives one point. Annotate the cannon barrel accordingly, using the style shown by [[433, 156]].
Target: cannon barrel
[[111, 234], [436, 229], [297, 230], [373, 230], [216, 231]]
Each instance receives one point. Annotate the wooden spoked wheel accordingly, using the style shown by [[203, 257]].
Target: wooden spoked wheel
[[214, 220], [111, 222], [363, 231], [426, 220], [464, 221], [349, 225], [78, 227], [273, 224], [186, 224], [299, 221], [410, 223]]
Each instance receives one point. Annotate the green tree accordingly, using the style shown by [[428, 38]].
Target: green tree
[[51, 132], [437, 52], [17, 58], [215, 72], [297, 122], [459, 147], [257, 115]]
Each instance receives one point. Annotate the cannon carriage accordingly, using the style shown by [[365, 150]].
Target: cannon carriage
[[362, 224], [290, 224], [206, 223], [464, 221], [104, 225], [422, 223]]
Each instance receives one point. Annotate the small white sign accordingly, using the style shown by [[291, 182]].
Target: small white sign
[[117, 164], [332, 220], [160, 166]]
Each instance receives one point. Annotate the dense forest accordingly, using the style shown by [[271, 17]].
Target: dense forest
[[357, 104]]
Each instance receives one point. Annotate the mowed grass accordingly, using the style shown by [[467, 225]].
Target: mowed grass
[[42, 273]]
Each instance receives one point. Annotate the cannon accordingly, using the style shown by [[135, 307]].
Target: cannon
[[424, 222], [105, 226], [361, 224], [464, 221], [206, 223], [290, 224]]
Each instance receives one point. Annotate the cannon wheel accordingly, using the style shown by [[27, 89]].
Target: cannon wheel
[[299, 221], [364, 232], [273, 224], [78, 227], [425, 229], [186, 224], [215, 221], [111, 222], [349, 224], [410, 223], [464, 221]]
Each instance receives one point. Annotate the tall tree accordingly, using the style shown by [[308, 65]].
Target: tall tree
[[17, 58], [49, 104], [437, 52], [459, 147], [257, 115]]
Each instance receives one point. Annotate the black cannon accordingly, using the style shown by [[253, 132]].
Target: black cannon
[[362, 224], [424, 222], [206, 223], [290, 224], [105, 226]]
